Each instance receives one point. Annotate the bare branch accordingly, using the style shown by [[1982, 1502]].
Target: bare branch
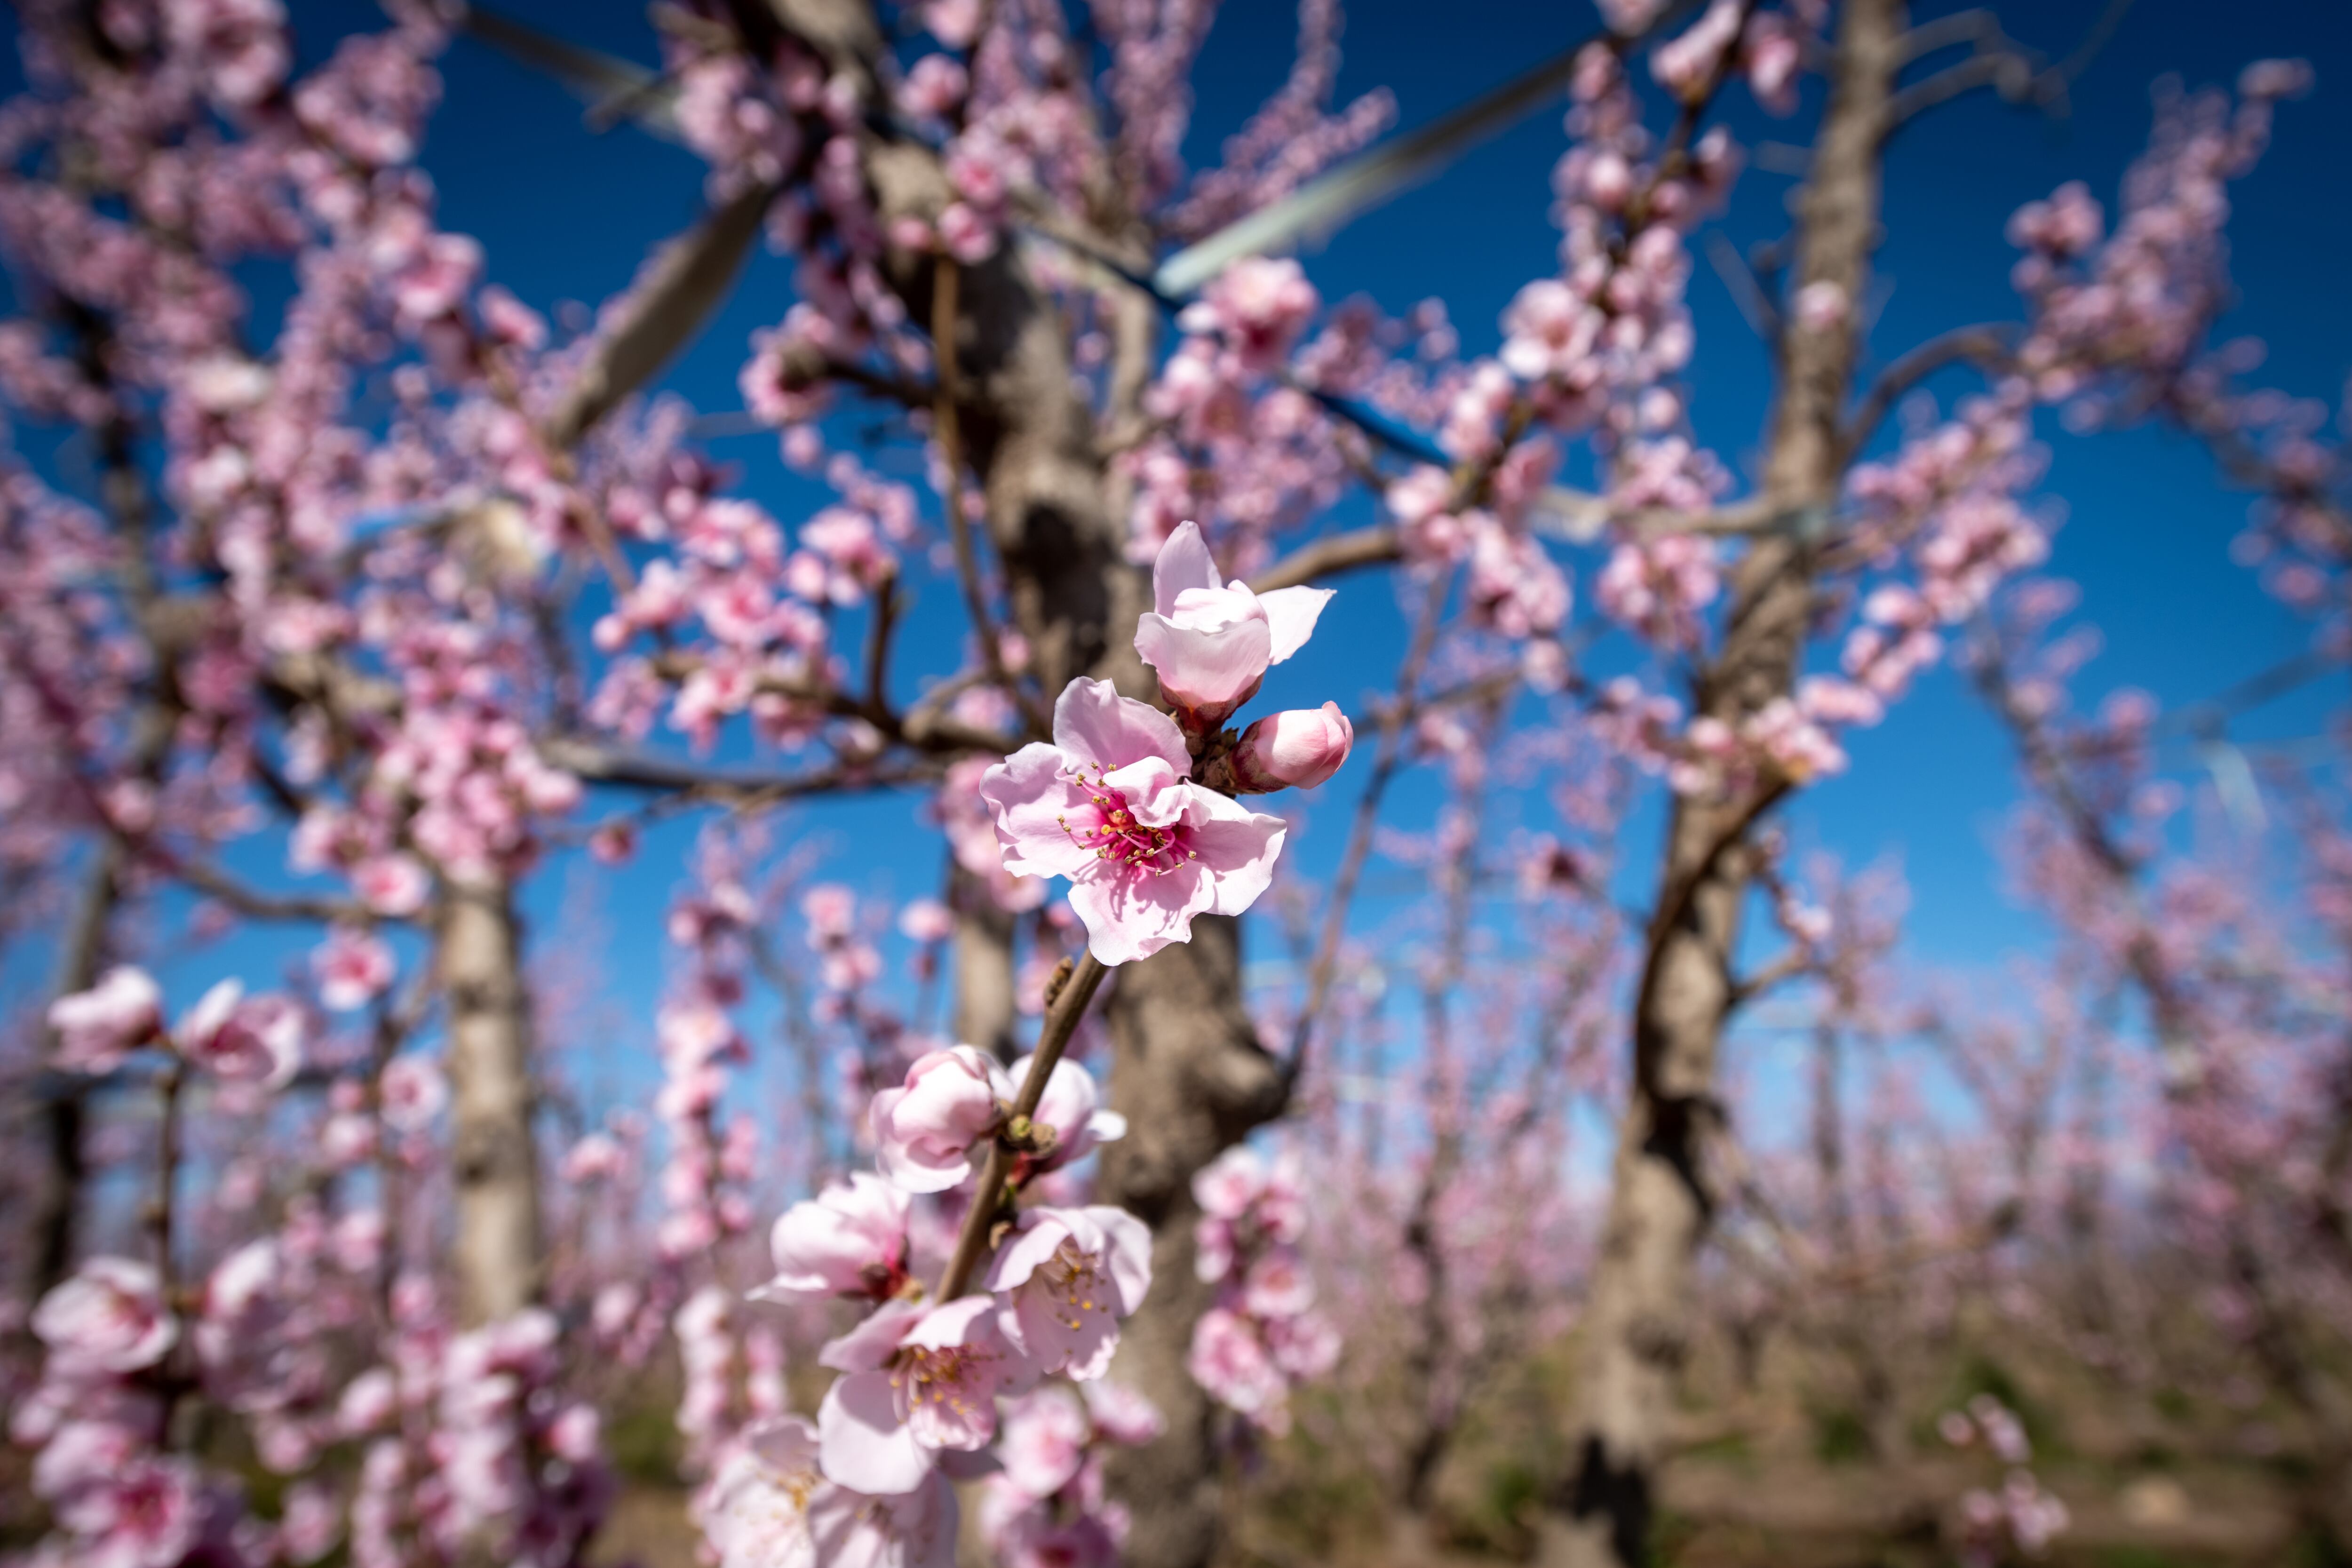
[[1990, 346], [1329, 556]]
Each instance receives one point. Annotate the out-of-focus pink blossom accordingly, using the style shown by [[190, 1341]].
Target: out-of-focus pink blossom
[[110, 1317], [240, 1038], [353, 967], [850, 1240], [96, 1027]]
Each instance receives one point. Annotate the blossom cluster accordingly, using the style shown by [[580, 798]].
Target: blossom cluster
[[1264, 1336], [1136, 808], [2021, 1516]]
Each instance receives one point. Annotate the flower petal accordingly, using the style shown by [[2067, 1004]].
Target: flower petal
[[1214, 671], [861, 1442], [1030, 793], [1292, 613], [1237, 847], [1130, 917], [1184, 563], [1096, 725]]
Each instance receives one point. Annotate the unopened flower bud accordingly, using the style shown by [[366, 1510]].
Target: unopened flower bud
[[1296, 749]]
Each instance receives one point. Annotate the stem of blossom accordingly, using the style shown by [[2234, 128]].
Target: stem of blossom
[[988, 1200], [948, 434]]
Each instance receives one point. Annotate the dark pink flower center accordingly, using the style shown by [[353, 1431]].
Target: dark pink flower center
[[1114, 834]]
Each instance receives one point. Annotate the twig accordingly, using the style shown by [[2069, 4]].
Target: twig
[[988, 1199], [1989, 345], [1330, 555]]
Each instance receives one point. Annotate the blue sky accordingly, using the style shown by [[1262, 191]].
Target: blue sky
[[567, 214]]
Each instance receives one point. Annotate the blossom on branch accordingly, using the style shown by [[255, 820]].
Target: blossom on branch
[[1109, 805]]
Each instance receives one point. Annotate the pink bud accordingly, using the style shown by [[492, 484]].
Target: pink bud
[[926, 1129], [1298, 747]]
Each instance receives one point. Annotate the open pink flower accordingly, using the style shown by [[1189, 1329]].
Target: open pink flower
[[1070, 1274], [924, 1131], [1110, 806], [147, 1514], [768, 1506], [850, 1240], [917, 1380], [413, 1091], [242, 1039], [110, 1317], [1044, 1442], [1211, 645], [96, 1026], [353, 968]]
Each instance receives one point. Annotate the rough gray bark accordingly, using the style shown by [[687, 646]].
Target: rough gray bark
[[981, 954], [478, 961], [1187, 1070], [1638, 1323], [56, 1200]]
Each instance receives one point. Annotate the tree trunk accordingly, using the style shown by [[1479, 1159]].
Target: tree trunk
[[981, 954], [1189, 1072], [56, 1201], [1638, 1323], [479, 961]]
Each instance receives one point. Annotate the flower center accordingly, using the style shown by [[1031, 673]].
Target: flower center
[[1116, 836], [1074, 1281], [934, 1377]]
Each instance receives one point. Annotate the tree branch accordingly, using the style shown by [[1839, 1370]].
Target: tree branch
[[1327, 557]]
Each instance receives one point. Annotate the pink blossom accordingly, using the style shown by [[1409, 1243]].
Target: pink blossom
[[1298, 747], [392, 885], [925, 1129], [1821, 305], [413, 1091], [850, 1240], [917, 1380], [1070, 1274], [110, 1317], [926, 921], [1122, 1415], [1258, 305], [96, 1026], [1044, 1442], [256, 1039], [1109, 805], [146, 1514], [353, 967], [1228, 1359], [1211, 645], [1072, 1107], [1549, 331]]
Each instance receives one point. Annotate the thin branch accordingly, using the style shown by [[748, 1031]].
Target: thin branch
[[1016, 1134], [254, 904], [1327, 557], [599, 764], [1989, 345]]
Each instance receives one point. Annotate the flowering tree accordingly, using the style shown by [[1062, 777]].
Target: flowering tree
[[390, 582]]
